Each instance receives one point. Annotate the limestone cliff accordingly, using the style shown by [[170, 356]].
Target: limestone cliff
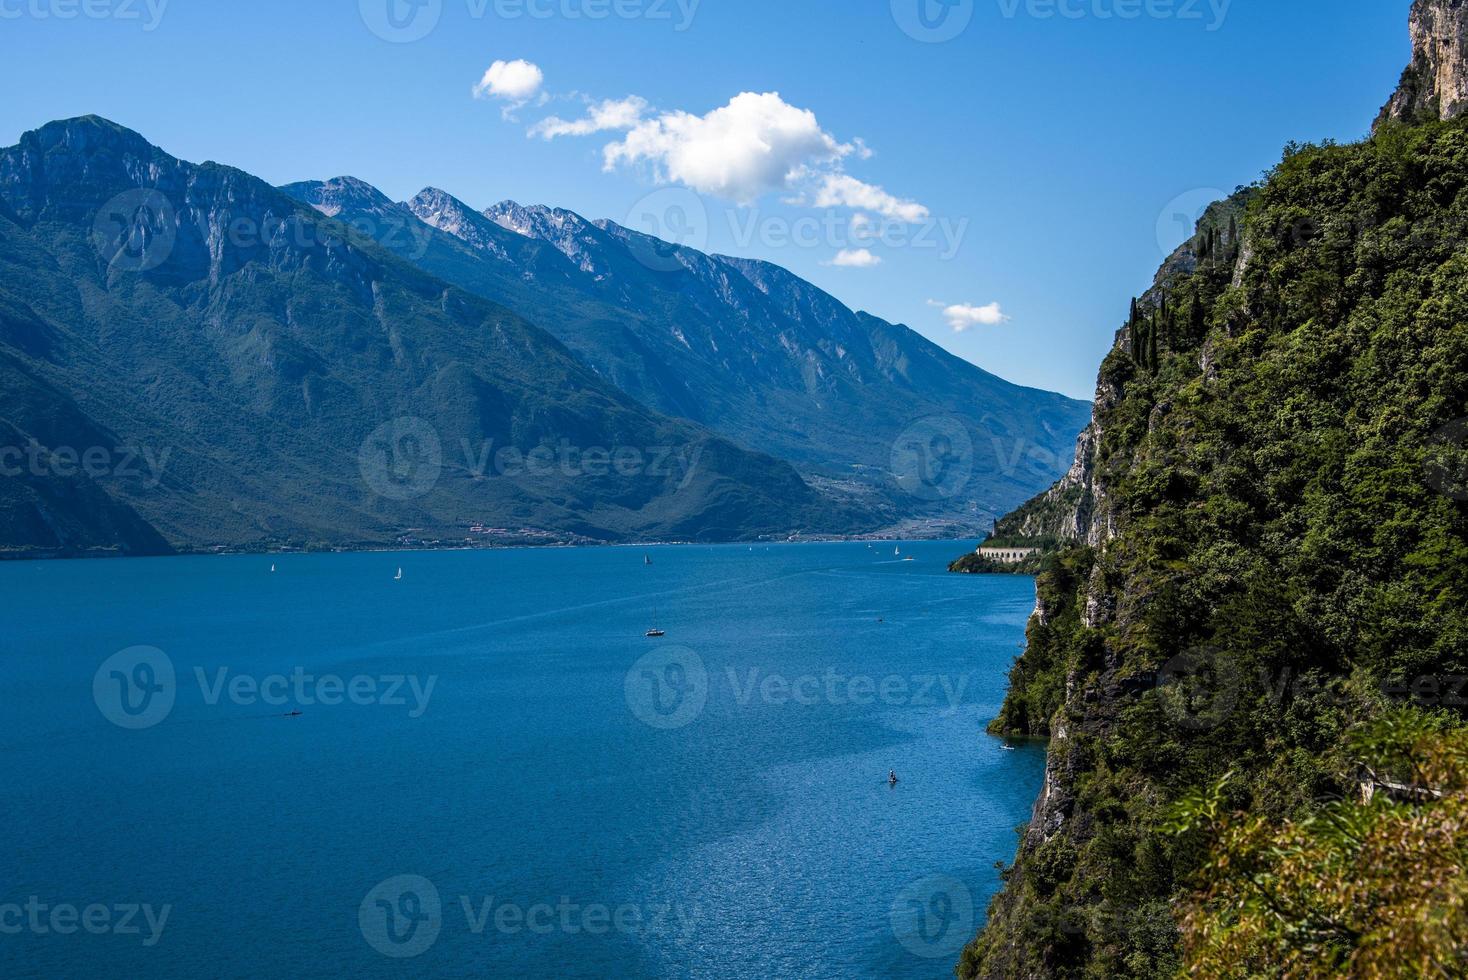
[[1435, 84]]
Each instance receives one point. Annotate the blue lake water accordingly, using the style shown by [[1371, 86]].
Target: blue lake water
[[494, 770]]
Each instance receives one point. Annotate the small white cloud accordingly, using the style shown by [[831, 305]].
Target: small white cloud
[[855, 258], [516, 82], [756, 144], [843, 190], [962, 316], [609, 115]]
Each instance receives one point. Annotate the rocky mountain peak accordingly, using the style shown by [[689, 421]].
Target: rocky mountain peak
[[440, 209], [1435, 84], [332, 197], [572, 235]]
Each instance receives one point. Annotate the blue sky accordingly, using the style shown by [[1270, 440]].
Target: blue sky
[[1038, 159]]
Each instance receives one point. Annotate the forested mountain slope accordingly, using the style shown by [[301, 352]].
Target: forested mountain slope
[[246, 373]]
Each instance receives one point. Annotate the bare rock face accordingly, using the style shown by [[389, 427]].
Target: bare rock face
[[1435, 84]]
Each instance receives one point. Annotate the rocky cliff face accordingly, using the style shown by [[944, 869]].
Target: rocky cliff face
[[1435, 84]]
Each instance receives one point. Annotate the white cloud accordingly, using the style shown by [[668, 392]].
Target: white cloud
[[962, 316], [516, 82], [756, 144], [609, 115], [855, 258], [844, 190]]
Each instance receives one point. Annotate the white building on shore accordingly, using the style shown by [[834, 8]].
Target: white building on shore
[[1009, 556]]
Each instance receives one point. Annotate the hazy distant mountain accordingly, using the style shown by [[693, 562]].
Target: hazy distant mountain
[[744, 347], [244, 371]]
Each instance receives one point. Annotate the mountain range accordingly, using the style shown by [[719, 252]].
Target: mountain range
[[193, 359], [742, 346]]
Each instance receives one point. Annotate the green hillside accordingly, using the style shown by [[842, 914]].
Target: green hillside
[[1263, 575]]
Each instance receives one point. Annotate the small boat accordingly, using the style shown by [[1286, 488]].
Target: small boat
[[892, 779], [399, 576], [272, 569], [654, 634], [647, 559], [909, 558], [897, 551]]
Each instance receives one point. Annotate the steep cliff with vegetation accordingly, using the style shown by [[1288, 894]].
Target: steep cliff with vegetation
[[1249, 646]]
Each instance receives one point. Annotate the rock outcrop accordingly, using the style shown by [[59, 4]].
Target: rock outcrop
[[1435, 84]]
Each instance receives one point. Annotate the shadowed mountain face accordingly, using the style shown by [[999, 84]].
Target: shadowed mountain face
[[747, 349], [191, 358]]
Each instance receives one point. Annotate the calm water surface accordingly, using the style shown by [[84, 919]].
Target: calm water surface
[[494, 769]]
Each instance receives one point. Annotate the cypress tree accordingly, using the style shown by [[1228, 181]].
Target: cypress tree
[[1152, 348], [1134, 324]]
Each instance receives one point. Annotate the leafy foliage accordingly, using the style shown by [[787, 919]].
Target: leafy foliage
[[1363, 889], [1284, 557]]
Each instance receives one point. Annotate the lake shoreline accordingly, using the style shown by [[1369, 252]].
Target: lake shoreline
[[6, 557]]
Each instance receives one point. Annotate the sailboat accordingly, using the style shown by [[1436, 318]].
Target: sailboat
[[897, 551], [399, 577], [647, 559], [655, 633], [272, 569]]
